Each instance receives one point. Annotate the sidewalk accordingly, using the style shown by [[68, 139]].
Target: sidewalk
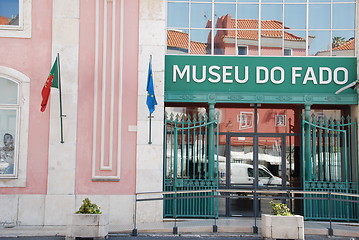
[[226, 227]]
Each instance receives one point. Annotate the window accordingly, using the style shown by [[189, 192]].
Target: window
[[9, 109], [280, 120], [266, 28], [15, 18], [9, 12], [245, 120], [287, 52], [242, 50], [14, 109]]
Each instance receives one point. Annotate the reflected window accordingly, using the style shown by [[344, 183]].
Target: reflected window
[[250, 172], [245, 120], [280, 120], [9, 12], [242, 50], [287, 52]]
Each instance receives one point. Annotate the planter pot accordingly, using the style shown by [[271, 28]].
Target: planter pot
[[282, 227], [87, 226]]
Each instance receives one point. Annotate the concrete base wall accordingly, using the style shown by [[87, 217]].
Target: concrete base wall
[[53, 210]]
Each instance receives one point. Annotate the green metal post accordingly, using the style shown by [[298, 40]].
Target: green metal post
[[211, 142], [307, 159]]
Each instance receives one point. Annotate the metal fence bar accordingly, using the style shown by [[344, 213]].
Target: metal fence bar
[[254, 194]]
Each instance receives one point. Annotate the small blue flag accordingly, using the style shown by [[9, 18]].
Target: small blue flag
[[151, 98]]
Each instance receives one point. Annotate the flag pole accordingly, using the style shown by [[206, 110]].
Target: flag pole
[[149, 137], [60, 94], [150, 123]]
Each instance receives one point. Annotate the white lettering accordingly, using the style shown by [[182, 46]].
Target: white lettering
[[310, 76], [345, 77], [266, 77], [176, 71], [215, 74], [194, 74], [272, 75], [226, 73], [236, 73], [295, 74], [321, 75]]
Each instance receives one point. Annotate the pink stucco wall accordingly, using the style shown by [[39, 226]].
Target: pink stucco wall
[[33, 57], [87, 65]]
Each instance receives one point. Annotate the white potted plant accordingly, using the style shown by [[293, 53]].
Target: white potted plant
[[88, 222], [282, 224]]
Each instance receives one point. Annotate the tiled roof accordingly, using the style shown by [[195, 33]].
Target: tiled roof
[[349, 45], [4, 20], [252, 25], [265, 24], [177, 39]]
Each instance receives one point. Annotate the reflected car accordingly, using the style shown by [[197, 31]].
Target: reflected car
[[242, 173]]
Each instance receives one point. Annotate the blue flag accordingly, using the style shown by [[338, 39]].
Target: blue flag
[[151, 98]]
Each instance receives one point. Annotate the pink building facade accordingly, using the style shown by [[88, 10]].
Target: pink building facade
[[104, 63]]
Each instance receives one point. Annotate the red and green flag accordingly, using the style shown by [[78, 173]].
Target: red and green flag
[[52, 81]]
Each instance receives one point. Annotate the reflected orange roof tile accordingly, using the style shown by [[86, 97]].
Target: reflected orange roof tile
[[349, 45], [252, 25], [4, 20], [179, 39]]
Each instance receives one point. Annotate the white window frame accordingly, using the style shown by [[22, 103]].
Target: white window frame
[[23, 30], [21, 143]]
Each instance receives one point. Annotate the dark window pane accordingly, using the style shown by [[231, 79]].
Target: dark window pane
[[242, 50], [287, 52]]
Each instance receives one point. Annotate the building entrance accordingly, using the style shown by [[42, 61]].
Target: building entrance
[[260, 150], [256, 161], [258, 147]]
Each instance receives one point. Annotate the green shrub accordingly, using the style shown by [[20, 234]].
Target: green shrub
[[280, 209], [88, 208]]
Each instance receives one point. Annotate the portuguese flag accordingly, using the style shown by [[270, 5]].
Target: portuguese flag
[[52, 81]]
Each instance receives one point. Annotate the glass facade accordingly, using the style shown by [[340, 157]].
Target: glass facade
[[261, 28]]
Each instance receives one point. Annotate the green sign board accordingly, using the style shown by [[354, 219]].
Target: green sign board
[[247, 75]]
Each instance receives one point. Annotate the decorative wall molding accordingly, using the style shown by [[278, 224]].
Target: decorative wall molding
[[108, 90]]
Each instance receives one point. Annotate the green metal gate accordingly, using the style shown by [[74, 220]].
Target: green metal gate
[[190, 146], [330, 165]]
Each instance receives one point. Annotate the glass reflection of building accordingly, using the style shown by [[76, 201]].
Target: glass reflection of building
[[269, 28]]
